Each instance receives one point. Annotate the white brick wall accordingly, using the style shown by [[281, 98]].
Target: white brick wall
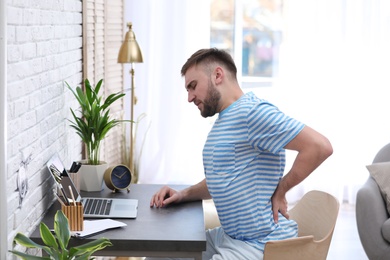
[[44, 41]]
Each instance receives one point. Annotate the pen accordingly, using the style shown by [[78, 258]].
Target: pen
[[63, 194], [72, 167], [78, 166], [71, 194], [75, 167]]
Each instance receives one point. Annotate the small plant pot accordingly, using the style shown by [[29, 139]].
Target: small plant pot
[[91, 176]]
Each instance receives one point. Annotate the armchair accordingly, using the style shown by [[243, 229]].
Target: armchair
[[371, 214]]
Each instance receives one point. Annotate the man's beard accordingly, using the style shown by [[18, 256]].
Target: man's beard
[[211, 103]]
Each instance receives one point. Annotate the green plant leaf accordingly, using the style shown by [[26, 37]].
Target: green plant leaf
[[61, 229], [62, 234], [25, 256], [94, 121], [85, 256], [88, 88], [47, 236], [82, 98], [23, 240], [111, 99], [74, 93], [98, 85], [89, 248], [27, 242]]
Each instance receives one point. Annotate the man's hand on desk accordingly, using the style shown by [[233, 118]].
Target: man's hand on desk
[[165, 196]]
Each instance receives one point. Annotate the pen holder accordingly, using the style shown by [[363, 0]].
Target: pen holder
[[76, 180], [75, 215]]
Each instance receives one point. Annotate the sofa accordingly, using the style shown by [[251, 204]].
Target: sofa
[[372, 208]]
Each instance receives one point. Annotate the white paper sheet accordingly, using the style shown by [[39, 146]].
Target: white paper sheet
[[92, 227]]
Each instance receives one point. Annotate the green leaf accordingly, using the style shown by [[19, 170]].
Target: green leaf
[[82, 98], [61, 229], [25, 256], [22, 240], [111, 99], [98, 85], [86, 256], [62, 234], [47, 236], [27, 242], [89, 248], [94, 121], [88, 91]]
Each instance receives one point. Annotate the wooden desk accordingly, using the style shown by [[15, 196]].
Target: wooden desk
[[174, 231]]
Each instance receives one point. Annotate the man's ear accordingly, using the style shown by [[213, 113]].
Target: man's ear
[[218, 75]]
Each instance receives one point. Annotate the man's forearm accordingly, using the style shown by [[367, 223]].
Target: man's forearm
[[305, 163], [313, 149], [198, 191]]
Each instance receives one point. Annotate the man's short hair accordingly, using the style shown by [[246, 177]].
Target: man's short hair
[[212, 55]]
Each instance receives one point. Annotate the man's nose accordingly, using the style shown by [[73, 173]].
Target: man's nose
[[191, 97]]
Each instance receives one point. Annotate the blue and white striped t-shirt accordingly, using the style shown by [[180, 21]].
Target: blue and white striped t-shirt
[[244, 160]]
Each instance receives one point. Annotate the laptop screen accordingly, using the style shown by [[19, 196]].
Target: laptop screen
[[61, 177]]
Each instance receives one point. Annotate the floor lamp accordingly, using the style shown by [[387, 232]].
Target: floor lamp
[[130, 52]]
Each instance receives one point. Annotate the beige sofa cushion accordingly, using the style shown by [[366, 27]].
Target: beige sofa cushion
[[381, 174]]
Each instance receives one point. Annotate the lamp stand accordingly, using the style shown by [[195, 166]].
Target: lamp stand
[[132, 103], [130, 53]]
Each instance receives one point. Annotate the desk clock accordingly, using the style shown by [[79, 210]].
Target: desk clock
[[118, 177]]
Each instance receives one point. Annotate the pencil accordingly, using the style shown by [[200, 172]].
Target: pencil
[[71, 194], [63, 194], [59, 199]]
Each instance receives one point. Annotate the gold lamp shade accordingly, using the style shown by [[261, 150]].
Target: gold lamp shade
[[130, 51]]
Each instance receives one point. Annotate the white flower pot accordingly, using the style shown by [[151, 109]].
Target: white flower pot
[[91, 176]]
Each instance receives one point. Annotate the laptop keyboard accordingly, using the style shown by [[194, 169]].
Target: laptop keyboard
[[97, 206]]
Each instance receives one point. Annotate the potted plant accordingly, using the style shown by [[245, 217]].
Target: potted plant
[[56, 245], [92, 125]]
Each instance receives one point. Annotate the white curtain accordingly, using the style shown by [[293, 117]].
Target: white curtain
[[334, 77], [172, 133], [334, 64]]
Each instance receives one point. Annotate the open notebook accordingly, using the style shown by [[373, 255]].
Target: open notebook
[[93, 207]]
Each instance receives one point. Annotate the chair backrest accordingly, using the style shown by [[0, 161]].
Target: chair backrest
[[316, 214]]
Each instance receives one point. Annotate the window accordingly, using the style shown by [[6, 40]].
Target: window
[[103, 35], [251, 31]]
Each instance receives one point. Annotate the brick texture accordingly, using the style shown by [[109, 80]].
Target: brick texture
[[44, 45]]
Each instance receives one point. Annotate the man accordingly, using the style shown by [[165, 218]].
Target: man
[[244, 159]]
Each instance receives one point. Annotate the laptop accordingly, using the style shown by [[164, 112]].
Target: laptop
[[93, 207]]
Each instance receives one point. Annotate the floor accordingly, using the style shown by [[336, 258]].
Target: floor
[[345, 242]]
